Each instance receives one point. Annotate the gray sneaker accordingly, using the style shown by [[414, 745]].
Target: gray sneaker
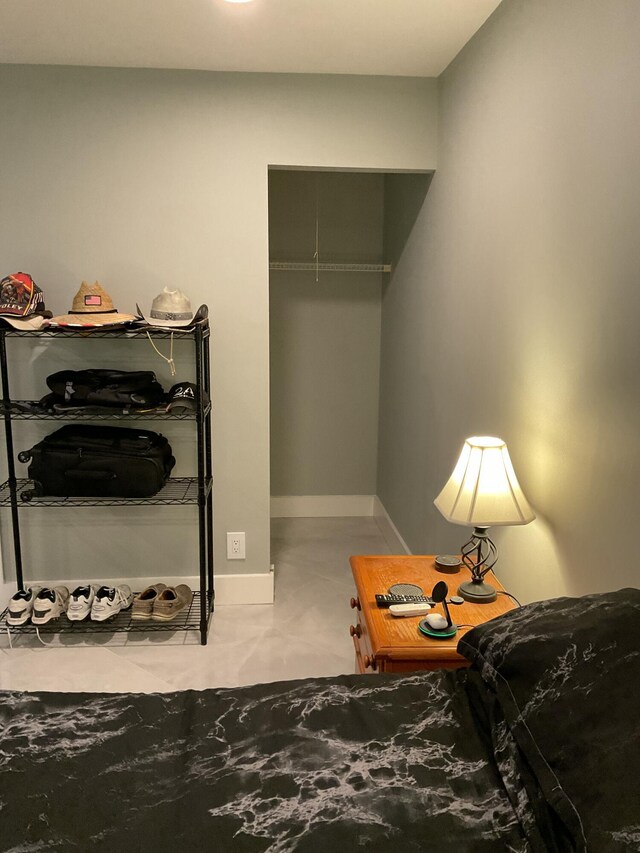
[[144, 601], [171, 601]]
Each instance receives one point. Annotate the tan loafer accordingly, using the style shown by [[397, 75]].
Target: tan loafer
[[172, 601], [144, 601]]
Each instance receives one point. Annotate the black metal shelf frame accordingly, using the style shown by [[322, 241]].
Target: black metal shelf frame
[[178, 491]]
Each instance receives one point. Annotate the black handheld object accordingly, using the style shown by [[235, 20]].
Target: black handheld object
[[388, 599]]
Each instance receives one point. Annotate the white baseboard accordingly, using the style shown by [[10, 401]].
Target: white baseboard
[[387, 527], [321, 506], [229, 589], [246, 589], [339, 506]]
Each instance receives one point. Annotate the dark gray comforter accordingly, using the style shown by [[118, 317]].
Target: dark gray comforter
[[507, 756]]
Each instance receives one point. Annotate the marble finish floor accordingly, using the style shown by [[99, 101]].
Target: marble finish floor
[[304, 633]]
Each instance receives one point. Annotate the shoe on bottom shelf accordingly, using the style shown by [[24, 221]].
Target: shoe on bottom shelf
[[80, 602], [21, 605], [109, 601], [171, 601], [49, 604], [144, 601]]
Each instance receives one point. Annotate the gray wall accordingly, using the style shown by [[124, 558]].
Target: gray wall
[[325, 335], [142, 179], [514, 308]]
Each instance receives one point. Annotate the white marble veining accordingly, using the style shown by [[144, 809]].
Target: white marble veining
[[305, 633], [347, 763]]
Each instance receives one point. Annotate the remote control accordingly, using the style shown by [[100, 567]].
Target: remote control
[[387, 600], [416, 609]]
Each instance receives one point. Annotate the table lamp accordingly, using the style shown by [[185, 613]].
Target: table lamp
[[482, 492]]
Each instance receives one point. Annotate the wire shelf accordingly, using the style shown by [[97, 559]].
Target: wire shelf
[[187, 620], [178, 490], [118, 332], [19, 411]]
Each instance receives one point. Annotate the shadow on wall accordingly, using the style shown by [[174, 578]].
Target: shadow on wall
[[529, 564], [404, 195]]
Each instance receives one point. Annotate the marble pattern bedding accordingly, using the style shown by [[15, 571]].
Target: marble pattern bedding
[[565, 675], [536, 749], [348, 763]]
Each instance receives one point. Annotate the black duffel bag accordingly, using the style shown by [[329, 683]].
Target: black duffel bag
[[96, 387], [98, 461]]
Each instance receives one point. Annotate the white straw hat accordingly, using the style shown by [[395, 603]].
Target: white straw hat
[[170, 309]]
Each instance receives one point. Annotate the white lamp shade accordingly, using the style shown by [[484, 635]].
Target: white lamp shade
[[483, 490]]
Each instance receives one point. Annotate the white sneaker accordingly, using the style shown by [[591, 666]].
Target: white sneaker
[[49, 603], [109, 601], [80, 602], [21, 605]]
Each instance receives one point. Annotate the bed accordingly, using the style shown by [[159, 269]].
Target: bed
[[535, 747]]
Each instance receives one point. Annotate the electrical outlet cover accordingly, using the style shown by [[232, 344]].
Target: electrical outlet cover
[[236, 546]]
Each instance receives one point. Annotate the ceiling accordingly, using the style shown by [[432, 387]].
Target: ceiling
[[389, 37]]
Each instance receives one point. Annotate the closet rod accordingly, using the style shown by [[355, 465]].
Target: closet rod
[[312, 267]]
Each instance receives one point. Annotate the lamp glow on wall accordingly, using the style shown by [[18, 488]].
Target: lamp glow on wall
[[483, 492]]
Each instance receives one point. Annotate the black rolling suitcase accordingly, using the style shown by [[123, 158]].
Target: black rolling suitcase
[[98, 461]]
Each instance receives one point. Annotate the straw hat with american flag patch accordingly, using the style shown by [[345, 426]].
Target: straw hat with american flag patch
[[92, 306]]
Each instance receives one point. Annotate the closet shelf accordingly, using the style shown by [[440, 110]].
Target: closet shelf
[[313, 267], [178, 490]]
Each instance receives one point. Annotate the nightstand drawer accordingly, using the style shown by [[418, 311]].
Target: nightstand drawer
[[362, 644]]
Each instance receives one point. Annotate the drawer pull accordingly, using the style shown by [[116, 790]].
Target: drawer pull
[[355, 630], [370, 662], [355, 603]]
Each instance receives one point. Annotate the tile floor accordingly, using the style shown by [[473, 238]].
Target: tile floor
[[305, 633]]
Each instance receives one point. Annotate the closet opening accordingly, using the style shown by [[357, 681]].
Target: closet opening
[[334, 237]]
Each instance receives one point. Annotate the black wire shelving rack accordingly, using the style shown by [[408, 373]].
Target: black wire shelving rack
[[17, 494]]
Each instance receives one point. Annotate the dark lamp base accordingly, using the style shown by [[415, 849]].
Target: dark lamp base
[[477, 593]]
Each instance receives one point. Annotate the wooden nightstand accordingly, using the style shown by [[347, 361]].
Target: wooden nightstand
[[386, 643]]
